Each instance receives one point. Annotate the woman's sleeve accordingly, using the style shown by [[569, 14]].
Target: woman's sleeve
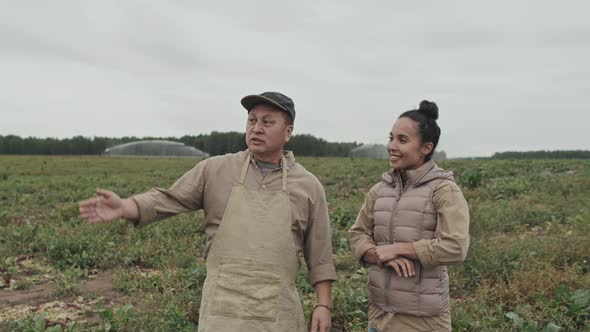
[[452, 230], [360, 234]]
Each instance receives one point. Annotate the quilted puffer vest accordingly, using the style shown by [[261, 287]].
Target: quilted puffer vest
[[406, 214]]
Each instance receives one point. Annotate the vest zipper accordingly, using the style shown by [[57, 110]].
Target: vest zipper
[[390, 271]]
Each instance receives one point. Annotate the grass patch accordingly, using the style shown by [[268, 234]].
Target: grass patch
[[527, 268]]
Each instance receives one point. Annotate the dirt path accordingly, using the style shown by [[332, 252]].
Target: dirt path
[[34, 295], [101, 284], [17, 304]]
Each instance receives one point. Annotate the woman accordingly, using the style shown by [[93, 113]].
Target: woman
[[412, 225]]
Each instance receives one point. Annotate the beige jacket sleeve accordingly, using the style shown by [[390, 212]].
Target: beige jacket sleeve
[[452, 230], [317, 248], [186, 194], [360, 234]]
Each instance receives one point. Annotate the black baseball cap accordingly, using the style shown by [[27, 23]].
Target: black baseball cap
[[276, 99]]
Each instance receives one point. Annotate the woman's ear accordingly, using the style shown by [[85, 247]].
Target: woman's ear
[[426, 148]]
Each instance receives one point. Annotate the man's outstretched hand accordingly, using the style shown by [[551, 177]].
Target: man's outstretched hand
[[105, 207]]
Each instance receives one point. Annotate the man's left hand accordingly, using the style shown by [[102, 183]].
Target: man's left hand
[[321, 320]]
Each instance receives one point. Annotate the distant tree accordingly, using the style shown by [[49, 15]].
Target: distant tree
[[215, 143], [13, 144], [309, 145], [558, 154]]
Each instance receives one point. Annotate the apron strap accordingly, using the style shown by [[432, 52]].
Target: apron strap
[[283, 166], [245, 169]]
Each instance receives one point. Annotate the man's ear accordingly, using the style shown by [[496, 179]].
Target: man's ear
[[288, 133]]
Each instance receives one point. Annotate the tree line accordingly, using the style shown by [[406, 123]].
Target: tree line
[[559, 154], [215, 143]]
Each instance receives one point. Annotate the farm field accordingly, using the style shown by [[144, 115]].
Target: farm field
[[528, 267]]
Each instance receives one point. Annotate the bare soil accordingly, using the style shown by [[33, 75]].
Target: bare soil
[[16, 304]]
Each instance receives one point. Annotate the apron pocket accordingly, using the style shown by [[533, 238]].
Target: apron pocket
[[246, 289]]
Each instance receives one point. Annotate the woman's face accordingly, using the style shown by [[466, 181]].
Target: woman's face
[[405, 147]]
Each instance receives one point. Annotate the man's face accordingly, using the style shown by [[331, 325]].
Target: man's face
[[267, 132]]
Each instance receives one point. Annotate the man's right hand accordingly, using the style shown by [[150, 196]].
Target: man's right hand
[[105, 207], [370, 257]]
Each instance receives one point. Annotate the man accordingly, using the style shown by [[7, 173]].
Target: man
[[263, 209]]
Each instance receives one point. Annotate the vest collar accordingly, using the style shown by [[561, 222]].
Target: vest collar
[[427, 172], [412, 176]]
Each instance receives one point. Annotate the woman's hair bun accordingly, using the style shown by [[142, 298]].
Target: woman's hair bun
[[429, 109]]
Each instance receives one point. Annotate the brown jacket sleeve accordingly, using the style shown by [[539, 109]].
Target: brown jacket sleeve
[[317, 247], [452, 230], [360, 234], [186, 194]]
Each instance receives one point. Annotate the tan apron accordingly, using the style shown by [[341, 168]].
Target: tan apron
[[252, 265]]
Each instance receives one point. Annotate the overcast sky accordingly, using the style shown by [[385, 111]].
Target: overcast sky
[[507, 75]]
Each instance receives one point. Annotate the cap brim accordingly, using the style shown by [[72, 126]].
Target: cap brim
[[252, 100]]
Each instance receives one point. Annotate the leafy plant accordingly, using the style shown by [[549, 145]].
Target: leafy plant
[[472, 178]]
